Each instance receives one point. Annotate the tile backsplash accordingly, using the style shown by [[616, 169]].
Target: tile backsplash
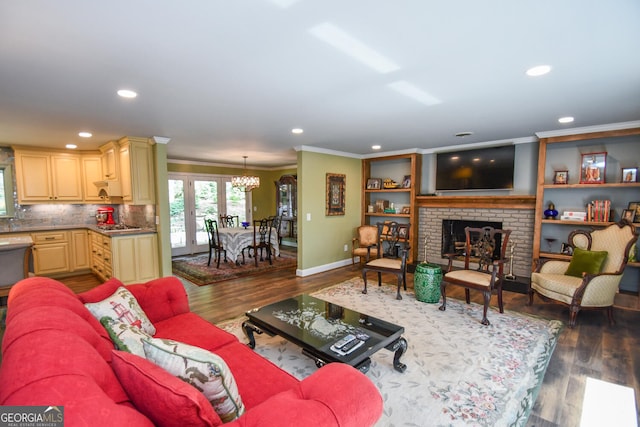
[[51, 215]]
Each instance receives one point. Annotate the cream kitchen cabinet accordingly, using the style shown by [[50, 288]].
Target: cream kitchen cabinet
[[92, 172], [80, 259], [100, 249], [135, 257], [136, 171], [51, 253], [110, 161], [48, 177]]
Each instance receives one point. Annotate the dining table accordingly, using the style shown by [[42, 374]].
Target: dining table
[[234, 239]]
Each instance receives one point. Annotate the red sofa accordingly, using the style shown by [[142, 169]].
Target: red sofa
[[54, 353]]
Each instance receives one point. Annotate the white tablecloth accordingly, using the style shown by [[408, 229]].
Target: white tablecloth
[[237, 238]]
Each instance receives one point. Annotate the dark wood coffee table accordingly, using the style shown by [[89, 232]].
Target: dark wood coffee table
[[316, 325]]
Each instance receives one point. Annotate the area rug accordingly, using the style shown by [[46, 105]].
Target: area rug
[[459, 372], [194, 267]]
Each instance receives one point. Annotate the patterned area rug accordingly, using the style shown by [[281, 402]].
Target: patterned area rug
[[458, 372], [194, 267]]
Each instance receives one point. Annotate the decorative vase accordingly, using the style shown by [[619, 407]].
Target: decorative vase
[[551, 212]]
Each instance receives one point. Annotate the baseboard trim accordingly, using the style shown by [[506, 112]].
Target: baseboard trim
[[323, 268]]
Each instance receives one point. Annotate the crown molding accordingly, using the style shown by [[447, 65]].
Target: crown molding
[[326, 151], [588, 129]]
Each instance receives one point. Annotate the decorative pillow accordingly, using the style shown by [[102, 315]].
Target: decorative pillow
[[124, 307], [125, 337], [584, 261], [162, 397], [202, 369]]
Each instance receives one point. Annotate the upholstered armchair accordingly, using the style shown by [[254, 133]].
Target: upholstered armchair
[[365, 244], [590, 280]]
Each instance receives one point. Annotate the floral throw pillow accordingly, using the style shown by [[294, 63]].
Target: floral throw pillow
[[125, 337], [202, 369], [123, 307]]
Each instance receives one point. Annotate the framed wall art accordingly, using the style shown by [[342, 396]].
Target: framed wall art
[[594, 167], [629, 175], [335, 194]]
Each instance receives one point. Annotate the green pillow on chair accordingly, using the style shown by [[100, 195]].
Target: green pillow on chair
[[584, 261]]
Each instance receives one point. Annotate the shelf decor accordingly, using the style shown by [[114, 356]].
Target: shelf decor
[[335, 194], [551, 212], [594, 167], [374, 184], [629, 175], [561, 177], [635, 206]]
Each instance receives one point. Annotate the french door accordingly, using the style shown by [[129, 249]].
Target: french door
[[192, 198]]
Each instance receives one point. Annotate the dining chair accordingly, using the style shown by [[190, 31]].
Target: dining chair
[[393, 249], [277, 225], [481, 246], [214, 241], [229, 221], [262, 229]]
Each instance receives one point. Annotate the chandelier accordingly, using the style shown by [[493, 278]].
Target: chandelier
[[245, 182]]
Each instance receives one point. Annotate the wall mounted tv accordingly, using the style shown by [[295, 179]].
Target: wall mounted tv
[[489, 168]]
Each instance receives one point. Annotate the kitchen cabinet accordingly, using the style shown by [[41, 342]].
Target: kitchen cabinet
[[135, 257], [92, 172], [404, 169], [110, 161], [48, 177], [136, 171], [51, 253], [100, 249], [80, 258], [563, 153]]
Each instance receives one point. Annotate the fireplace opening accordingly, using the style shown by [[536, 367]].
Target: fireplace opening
[[453, 237]]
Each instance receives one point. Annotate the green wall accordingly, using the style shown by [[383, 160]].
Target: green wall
[[321, 240], [263, 198]]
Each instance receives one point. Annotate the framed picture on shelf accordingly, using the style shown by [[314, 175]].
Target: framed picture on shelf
[[561, 177], [374, 184], [629, 215], [406, 181], [403, 231], [635, 207], [335, 194], [594, 167], [406, 210], [629, 174]]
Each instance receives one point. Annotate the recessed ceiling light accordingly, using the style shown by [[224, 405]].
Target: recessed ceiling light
[[376, 147], [567, 119], [126, 93], [85, 134], [71, 146], [463, 134], [539, 70], [297, 131]]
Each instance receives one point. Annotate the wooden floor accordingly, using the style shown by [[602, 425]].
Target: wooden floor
[[591, 349]]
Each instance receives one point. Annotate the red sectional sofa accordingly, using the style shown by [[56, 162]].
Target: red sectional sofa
[[55, 353]]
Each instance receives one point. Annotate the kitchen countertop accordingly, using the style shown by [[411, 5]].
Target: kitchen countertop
[[113, 233]]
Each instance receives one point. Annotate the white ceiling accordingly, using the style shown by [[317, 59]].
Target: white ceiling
[[224, 79]]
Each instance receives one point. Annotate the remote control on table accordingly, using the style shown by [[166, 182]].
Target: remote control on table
[[344, 341]]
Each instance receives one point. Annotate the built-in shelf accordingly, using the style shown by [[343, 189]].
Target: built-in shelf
[[485, 202], [605, 185], [563, 257], [585, 223]]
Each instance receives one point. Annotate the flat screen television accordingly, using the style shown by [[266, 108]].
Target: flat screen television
[[489, 168]]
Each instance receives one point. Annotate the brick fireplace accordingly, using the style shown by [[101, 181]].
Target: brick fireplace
[[515, 216]]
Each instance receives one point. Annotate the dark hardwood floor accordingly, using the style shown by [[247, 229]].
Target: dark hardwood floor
[[591, 349]]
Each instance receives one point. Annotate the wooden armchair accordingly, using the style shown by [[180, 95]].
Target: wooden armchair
[[262, 232], [480, 247], [393, 249], [590, 280], [365, 244]]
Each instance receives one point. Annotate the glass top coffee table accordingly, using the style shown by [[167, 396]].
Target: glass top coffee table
[[320, 328]]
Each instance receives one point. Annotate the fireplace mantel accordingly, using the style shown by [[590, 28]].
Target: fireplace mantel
[[486, 202]]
